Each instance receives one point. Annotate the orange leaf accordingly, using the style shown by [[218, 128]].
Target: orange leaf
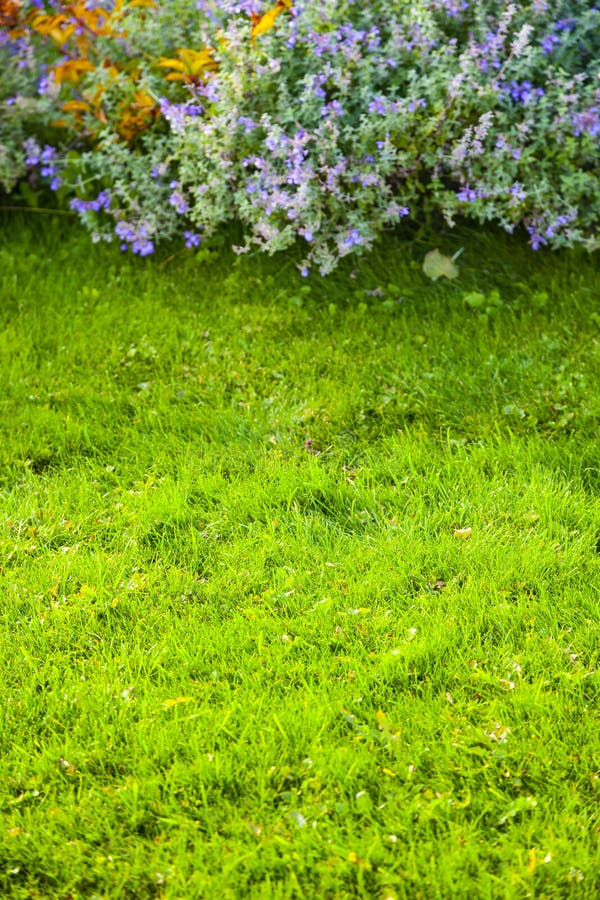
[[71, 70], [9, 13], [144, 100], [75, 106]]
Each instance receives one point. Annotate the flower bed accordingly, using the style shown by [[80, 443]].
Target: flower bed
[[320, 122]]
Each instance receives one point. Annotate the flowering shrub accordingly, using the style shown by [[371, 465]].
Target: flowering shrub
[[320, 122]]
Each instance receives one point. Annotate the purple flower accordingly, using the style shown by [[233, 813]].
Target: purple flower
[[353, 238], [466, 195], [394, 210], [143, 247], [334, 107], [565, 25], [248, 123], [125, 231], [177, 114], [549, 42], [192, 239], [32, 152], [378, 105], [588, 120], [177, 200], [102, 201], [516, 191], [537, 240]]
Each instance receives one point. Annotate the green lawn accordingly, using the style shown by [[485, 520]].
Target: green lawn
[[300, 579]]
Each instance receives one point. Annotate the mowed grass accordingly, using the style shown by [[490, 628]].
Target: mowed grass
[[300, 580]]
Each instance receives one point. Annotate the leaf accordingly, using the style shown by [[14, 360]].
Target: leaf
[[71, 70], [168, 63], [9, 13], [75, 106], [265, 23], [463, 533], [436, 265], [169, 704], [143, 100], [191, 63]]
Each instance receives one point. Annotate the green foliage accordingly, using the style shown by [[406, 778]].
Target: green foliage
[[319, 124]]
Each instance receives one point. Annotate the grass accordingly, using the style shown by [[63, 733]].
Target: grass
[[248, 647]]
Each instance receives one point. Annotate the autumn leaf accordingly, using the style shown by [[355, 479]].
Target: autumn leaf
[[71, 70], [264, 23], [143, 100], [436, 265], [58, 27], [75, 106], [463, 533], [9, 13]]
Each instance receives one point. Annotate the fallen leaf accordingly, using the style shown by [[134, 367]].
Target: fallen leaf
[[436, 265], [463, 533], [168, 704]]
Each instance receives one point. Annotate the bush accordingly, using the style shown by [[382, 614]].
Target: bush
[[323, 122]]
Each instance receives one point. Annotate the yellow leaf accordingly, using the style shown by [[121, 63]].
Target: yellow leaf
[[71, 70], [191, 62], [170, 63], [169, 704], [143, 99], [267, 21], [75, 106], [388, 772], [463, 533]]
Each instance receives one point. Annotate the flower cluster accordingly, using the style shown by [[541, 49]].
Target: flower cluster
[[319, 123]]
